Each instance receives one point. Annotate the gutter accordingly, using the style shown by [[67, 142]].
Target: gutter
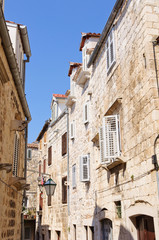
[[107, 27], [9, 52], [25, 41]]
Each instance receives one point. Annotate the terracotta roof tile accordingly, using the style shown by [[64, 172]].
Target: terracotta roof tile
[[73, 65], [60, 95], [87, 36], [32, 145]]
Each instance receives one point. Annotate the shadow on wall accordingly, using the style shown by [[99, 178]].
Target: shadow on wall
[[103, 226], [124, 234]]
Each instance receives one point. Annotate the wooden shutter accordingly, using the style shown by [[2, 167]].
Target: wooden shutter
[[64, 143], [40, 201], [16, 155], [64, 190], [84, 168], [74, 176], [111, 137], [45, 137], [44, 166], [49, 155], [39, 169]]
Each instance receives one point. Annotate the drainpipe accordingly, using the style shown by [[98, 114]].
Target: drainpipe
[[68, 176], [155, 162], [155, 43]]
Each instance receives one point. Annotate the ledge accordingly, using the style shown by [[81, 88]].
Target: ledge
[[19, 183], [83, 77], [111, 109], [6, 166], [70, 100]]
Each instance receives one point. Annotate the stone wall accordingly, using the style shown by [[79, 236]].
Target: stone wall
[[133, 79], [10, 109]]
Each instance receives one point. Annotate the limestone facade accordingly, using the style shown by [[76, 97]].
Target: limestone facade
[[113, 185], [14, 112], [54, 213]]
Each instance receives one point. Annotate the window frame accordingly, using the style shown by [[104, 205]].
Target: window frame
[[16, 154], [110, 42], [64, 190], [64, 144], [50, 155], [72, 130], [74, 176], [86, 113], [29, 150], [85, 167], [110, 140]]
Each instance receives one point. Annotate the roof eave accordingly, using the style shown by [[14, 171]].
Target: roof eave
[[105, 31]]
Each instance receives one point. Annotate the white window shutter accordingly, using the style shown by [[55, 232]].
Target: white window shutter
[[16, 155], [110, 49], [111, 137], [85, 168], [74, 176], [84, 58], [86, 112], [72, 130], [101, 143]]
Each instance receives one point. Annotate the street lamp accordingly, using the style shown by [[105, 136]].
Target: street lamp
[[50, 186]]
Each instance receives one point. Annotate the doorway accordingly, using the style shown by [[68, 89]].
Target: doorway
[[106, 229], [145, 227]]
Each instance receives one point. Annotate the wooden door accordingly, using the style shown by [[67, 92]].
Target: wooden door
[[145, 228]]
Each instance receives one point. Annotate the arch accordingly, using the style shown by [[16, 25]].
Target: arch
[[141, 208]]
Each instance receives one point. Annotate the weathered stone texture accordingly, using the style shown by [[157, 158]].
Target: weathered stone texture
[[133, 79], [10, 199]]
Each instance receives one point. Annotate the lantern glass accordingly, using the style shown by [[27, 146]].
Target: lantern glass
[[50, 186]]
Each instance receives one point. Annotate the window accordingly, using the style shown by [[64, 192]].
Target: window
[[74, 232], [110, 50], [85, 113], [74, 176], [64, 143], [58, 234], [92, 233], [72, 130], [40, 144], [86, 232], [84, 168], [16, 155], [29, 153], [44, 166], [64, 190], [109, 136], [54, 111], [49, 234], [118, 209], [45, 137], [85, 58], [49, 200], [40, 169], [49, 155]]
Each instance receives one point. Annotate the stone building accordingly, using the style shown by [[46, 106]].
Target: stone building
[[114, 117], [31, 194], [14, 117], [54, 214]]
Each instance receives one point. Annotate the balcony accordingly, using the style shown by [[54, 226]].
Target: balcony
[[70, 100], [83, 76]]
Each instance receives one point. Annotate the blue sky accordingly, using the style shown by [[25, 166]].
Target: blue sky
[[54, 29]]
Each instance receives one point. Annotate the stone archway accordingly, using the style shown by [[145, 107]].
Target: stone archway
[[142, 220]]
